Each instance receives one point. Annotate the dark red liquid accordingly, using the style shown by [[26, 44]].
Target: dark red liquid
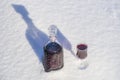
[[82, 51], [82, 46], [53, 56]]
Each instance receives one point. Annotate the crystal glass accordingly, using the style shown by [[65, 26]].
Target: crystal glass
[[82, 55]]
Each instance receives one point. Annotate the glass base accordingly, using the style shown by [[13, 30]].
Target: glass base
[[83, 64]]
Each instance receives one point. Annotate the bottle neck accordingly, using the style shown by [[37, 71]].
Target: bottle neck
[[52, 38]]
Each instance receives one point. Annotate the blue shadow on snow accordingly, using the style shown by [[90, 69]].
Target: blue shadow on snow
[[35, 37]]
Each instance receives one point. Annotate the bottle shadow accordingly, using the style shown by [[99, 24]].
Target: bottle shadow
[[35, 37]]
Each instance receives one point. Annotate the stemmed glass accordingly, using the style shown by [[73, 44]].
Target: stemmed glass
[[82, 55]]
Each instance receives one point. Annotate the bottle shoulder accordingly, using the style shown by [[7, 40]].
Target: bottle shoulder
[[53, 47]]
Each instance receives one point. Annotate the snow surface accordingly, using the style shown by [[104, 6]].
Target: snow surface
[[24, 31]]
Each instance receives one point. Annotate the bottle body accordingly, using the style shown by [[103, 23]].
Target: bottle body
[[53, 56]]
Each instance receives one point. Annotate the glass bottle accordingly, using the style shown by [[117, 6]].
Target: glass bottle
[[53, 52]]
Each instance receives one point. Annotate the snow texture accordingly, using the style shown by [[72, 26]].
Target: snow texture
[[24, 31]]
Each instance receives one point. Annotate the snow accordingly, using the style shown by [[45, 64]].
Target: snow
[[24, 31]]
